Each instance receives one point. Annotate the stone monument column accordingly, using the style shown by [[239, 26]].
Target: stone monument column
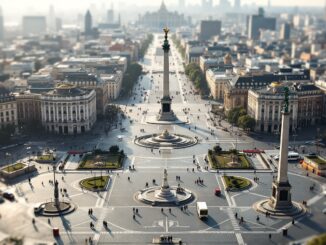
[[166, 113], [166, 71], [281, 195]]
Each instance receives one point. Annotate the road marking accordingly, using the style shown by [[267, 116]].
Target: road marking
[[166, 225], [239, 239]]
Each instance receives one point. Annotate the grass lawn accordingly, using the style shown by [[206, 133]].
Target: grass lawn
[[14, 167], [317, 159], [94, 182], [110, 161], [319, 240], [234, 183], [45, 157], [222, 160]]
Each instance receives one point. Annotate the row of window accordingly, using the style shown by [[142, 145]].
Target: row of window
[[7, 113]]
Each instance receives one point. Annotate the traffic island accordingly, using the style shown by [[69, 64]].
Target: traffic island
[[165, 195], [17, 169], [236, 183], [49, 209], [98, 183], [232, 159], [99, 159]]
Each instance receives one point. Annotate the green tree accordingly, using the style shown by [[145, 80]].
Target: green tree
[[217, 149], [234, 114], [246, 122], [134, 70], [114, 149]]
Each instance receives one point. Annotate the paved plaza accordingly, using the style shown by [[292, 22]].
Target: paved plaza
[[115, 204]]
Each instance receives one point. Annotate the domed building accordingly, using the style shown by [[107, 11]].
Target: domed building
[[158, 20], [8, 108]]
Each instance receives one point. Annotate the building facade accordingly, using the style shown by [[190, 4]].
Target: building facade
[[114, 82], [162, 18], [28, 108], [256, 23], [305, 106], [8, 108], [209, 28], [34, 25], [265, 106], [68, 110], [82, 79]]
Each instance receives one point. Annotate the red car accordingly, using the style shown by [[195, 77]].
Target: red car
[[217, 191]]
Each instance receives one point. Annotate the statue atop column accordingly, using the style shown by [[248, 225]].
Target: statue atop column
[[286, 99]]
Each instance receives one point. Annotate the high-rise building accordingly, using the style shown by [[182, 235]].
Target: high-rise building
[[257, 22], [88, 23], [1, 26], [207, 4], [110, 15], [237, 4], [51, 19], [34, 25], [285, 31], [209, 28], [182, 4]]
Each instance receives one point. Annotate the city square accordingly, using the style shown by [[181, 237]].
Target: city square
[[232, 217]]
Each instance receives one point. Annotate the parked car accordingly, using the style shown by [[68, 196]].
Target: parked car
[[217, 192], [9, 196], [2, 200]]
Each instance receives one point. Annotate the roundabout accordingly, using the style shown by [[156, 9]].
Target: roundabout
[[165, 195], [166, 140]]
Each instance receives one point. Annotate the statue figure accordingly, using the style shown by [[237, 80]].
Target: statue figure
[[166, 31], [286, 99]]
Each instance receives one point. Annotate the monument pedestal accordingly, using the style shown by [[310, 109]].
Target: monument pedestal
[[166, 113], [281, 195]]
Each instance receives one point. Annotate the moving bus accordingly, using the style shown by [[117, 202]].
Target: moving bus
[[292, 156], [202, 210]]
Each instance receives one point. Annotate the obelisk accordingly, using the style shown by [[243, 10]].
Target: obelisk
[[281, 195], [166, 113]]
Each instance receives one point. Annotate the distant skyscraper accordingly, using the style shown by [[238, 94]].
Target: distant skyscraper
[[110, 15], [209, 28], [257, 22], [34, 25], [207, 4], [1, 26], [51, 19], [237, 4], [182, 4], [285, 31], [88, 23]]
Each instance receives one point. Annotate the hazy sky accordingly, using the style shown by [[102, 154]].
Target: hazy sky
[[21, 4]]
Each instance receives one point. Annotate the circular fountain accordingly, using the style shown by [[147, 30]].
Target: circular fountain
[[166, 139], [165, 195]]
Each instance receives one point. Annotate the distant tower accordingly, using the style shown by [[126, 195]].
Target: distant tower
[[285, 31], [51, 19], [88, 23], [1, 26], [269, 4], [110, 15], [237, 4], [182, 4], [325, 10]]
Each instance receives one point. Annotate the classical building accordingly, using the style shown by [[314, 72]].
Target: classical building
[[162, 18], [82, 79], [114, 82], [217, 80], [236, 90], [28, 108], [68, 110], [8, 108], [265, 106], [305, 106]]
